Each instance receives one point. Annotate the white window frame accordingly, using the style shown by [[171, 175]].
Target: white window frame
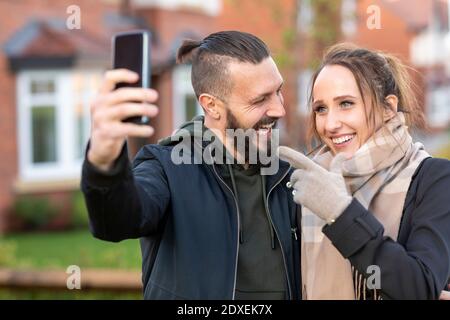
[[303, 82], [210, 7], [63, 98], [181, 84], [349, 22], [447, 47], [305, 16], [438, 111]]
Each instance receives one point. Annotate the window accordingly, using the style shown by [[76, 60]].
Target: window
[[85, 86], [42, 86], [211, 7], [304, 82], [53, 122], [348, 17], [185, 104], [43, 134], [448, 16], [438, 110], [447, 47], [305, 16]]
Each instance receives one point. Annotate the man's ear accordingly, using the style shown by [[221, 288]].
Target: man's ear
[[392, 107], [210, 105]]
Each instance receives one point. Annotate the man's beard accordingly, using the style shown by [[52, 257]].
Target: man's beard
[[233, 124]]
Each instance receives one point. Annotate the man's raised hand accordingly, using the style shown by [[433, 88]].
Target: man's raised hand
[[109, 108]]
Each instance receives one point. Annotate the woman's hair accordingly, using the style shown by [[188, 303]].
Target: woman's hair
[[377, 75]]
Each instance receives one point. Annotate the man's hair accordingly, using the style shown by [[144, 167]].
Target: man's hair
[[210, 58]]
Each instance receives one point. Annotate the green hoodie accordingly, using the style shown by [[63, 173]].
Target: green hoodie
[[260, 271]]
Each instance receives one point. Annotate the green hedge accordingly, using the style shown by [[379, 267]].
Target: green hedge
[[35, 211], [80, 217]]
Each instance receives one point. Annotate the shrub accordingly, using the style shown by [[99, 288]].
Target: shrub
[[79, 218], [36, 212]]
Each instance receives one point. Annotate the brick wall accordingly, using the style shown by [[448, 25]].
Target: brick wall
[[273, 21], [394, 36], [15, 14]]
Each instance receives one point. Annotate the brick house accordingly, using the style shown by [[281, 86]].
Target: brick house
[[49, 74], [274, 21], [417, 31]]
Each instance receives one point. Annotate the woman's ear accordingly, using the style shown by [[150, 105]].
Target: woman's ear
[[392, 107], [210, 106]]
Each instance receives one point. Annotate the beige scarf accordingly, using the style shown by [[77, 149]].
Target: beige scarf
[[378, 175]]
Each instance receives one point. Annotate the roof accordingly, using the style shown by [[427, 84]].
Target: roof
[[49, 43], [418, 14]]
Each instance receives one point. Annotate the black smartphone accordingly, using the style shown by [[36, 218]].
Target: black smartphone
[[131, 50]]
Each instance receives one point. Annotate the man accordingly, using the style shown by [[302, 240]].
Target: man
[[215, 230]]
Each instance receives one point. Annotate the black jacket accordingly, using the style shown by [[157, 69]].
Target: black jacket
[[187, 220], [417, 266]]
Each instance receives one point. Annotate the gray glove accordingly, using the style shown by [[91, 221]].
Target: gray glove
[[321, 191]]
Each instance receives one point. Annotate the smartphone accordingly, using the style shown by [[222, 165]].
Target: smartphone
[[131, 50]]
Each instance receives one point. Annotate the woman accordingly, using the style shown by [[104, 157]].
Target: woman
[[375, 205]]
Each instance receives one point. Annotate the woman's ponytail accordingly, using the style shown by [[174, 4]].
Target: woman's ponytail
[[406, 91]]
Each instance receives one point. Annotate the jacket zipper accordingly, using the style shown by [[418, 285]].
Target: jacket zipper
[[238, 227], [276, 232], [294, 233], [271, 222]]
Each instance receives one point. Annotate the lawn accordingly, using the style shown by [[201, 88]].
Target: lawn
[[62, 249], [40, 294], [58, 251]]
